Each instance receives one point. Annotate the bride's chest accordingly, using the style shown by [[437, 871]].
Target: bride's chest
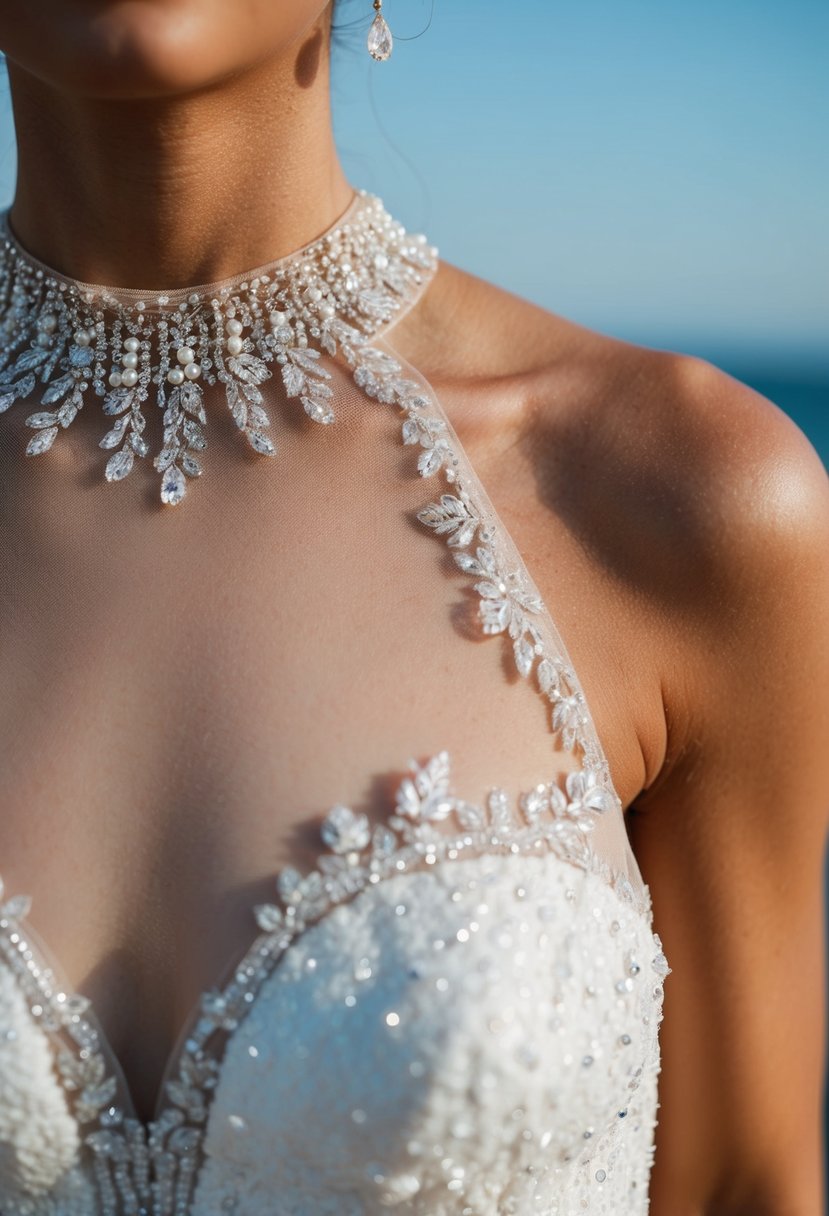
[[478, 1032], [210, 699]]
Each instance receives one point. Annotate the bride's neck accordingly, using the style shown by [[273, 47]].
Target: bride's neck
[[174, 192]]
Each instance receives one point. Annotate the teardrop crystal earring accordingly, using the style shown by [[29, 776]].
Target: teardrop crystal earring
[[379, 41]]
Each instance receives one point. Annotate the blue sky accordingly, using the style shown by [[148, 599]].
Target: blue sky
[[658, 170], [655, 170]]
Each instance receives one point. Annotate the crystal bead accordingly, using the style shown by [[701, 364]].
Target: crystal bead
[[173, 486], [42, 441], [379, 41], [120, 465]]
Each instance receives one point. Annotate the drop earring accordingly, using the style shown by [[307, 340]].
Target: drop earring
[[379, 41]]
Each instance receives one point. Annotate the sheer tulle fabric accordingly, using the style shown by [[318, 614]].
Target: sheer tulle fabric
[[285, 641]]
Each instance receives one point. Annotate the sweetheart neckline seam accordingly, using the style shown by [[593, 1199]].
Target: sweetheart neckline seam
[[642, 913]]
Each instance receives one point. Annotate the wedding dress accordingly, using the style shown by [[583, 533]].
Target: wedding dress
[[455, 1011]]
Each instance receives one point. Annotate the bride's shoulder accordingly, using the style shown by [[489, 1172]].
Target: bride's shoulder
[[699, 466]]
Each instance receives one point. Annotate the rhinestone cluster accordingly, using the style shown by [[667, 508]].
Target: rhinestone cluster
[[70, 340]]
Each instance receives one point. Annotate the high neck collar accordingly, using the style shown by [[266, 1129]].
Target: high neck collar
[[126, 345]]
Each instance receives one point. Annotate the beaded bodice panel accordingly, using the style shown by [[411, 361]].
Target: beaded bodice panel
[[453, 1011]]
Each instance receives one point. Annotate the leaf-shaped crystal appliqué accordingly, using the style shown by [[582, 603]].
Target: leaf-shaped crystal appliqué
[[232, 331], [118, 400], [450, 516], [343, 831], [294, 379], [116, 434], [42, 441], [566, 717], [425, 796], [42, 419], [27, 360], [508, 600], [57, 389], [120, 465], [261, 443], [248, 368]]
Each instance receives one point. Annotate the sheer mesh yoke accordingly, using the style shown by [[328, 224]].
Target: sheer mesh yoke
[[449, 1002]]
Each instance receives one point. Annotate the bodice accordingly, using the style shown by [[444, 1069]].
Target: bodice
[[452, 1012]]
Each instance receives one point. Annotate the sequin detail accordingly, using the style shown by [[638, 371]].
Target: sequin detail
[[446, 1070], [156, 1166]]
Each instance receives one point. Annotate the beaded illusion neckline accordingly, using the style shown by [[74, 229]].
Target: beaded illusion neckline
[[327, 299], [129, 347]]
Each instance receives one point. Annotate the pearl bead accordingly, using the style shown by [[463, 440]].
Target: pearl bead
[[277, 318], [115, 379], [175, 375], [44, 339], [129, 377], [49, 323], [326, 310], [192, 371], [185, 355], [130, 359], [81, 337], [234, 326], [131, 344], [234, 344]]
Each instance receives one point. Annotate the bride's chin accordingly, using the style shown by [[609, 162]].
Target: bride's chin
[[144, 48], [134, 49]]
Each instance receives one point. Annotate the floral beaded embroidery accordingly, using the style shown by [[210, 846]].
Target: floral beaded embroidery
[[157, 1164], [508, 601]]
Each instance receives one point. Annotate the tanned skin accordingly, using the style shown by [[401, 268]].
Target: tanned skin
[[676, 522]]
